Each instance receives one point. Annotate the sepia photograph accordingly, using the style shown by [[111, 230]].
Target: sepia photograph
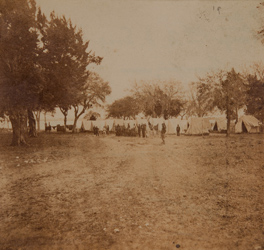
[[131, 124]]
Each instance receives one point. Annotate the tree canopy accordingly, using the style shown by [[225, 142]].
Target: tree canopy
[[124, 108], [159, 98], [43, 64]]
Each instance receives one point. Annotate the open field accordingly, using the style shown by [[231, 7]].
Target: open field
[[78, 191]]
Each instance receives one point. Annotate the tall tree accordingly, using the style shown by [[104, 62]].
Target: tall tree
[[201, 101], [65, 60], [20, 72], [92, 94], [230, 94], [255, 97]]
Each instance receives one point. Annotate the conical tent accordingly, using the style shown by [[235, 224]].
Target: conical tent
[[86, 125], [198, 126], [220, 124], [248, 124]]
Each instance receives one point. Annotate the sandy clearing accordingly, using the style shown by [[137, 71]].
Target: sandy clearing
[[73, 191]]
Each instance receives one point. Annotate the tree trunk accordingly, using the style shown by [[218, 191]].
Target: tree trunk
[[236, 115], [65, 122], [32, 124], [77, 116], [65, 113], [228, 120], [37, 113], [74, 124], [19, 125]]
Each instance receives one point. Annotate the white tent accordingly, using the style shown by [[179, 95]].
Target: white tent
[[110, 123], [131, 123], [172, 124], [220, 124], [198, 126], [158, 122], [142, 121], [119, 122], [86, 125], [248, 124], [99, 124]]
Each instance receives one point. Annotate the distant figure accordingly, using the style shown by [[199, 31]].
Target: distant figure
[[163, 132], [144, 128], [117, 129], [139, 130], [96, 131], [178, 129], [47, 128], [107, 129]]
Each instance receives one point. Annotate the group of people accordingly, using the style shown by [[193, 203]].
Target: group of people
[[122, 130], [140, 130], [106, 130]]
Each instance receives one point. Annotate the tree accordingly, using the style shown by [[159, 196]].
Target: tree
[[159, 98], [92, 116], [92, 94], [255, 97], [123, 108], [230, 94], [20, 73], [201, 101], [65, 62]]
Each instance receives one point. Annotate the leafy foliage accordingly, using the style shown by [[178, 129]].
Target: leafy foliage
[[92, 94], [230, 93], [201, 101], [126, 107], [255, 97], [159, 98], [20, 72]]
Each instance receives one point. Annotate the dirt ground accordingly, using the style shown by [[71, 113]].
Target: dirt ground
[[78, 191]]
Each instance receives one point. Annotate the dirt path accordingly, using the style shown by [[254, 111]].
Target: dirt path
[[84, 192]]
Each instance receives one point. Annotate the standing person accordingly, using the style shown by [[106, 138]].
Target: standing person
[[144, 128], [178, 129], [163, 131], [107, 129], [139, 130]]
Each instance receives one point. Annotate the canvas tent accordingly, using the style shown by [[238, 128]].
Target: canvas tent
[[142, 121], [110, 123], [248, 124], [198, 126], [158, 122], [172, 124], [99, 124], [220, 124], [131, 123], [119, 122], [86, 125]]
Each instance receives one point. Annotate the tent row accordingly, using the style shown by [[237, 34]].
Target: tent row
[[245, 124], [192, 126], [155, 123]]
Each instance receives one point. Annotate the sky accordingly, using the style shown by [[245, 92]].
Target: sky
[[164, 40]]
